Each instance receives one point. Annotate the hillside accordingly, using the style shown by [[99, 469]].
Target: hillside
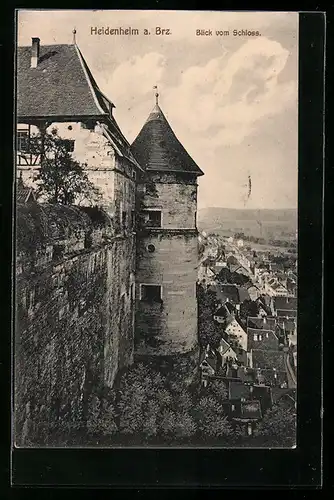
[[265, 223]]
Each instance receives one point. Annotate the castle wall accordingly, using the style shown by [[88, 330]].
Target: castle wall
[[74, 316]]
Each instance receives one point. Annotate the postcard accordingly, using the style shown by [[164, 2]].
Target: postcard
[[156, 229]]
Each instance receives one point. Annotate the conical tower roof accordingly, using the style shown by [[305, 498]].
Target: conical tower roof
[[157, 148]]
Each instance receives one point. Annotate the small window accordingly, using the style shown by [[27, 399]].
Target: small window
[[233, 407], [123, 219], [151, 293], [255, 336], [23, 141], [133, 219], [153, 218], [150, 248], [58, 251], [88, 125], [68, 145]]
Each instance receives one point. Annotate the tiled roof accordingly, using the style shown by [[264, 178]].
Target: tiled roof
[[260, 323], [264, 358], [157, 148], [24, 194], [288, 324], [270, 342], [285, 303], [286, 313], [224, 346], [251, 410], [268, 377], [221, 312], [238, 390], [243, 294], [60, 85]]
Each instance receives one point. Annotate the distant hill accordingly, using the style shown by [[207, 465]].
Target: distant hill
[[266, 223]]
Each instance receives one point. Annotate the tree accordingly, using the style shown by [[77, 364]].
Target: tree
[[101, 417], [249, 308], [278, 426], [217, 388], [210, 418], [61, 179]]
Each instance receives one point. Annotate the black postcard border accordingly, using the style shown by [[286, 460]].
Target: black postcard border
[[300, 468]]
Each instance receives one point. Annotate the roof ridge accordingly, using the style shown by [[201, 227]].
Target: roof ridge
[[89, 79]]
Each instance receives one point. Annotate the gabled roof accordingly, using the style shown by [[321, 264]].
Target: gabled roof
[[288, 324], [285, 303], [251, 410], [60, 86], [268, 359], [224, 346], [221, 312], [237, 390], [265, 342], [24, 194], [157, 148], [287, 313], [260, 323]]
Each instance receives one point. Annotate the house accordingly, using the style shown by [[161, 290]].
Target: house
[[221, 314], [287, 397], [265, 322], [253, 291], [291, 285], [270, 365], [235, 332], [251, 391], [235, 294], [288, 326], [261, 339], [231, 259], [284, 303], [243, 412], [265, 305], [78, 110], [226, 352], [275, 288], [286, 313]]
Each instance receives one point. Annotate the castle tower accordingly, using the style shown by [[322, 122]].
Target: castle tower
[[167, 256]]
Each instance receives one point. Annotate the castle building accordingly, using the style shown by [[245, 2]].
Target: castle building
[[56, 91], [167, 251], [93, 291]]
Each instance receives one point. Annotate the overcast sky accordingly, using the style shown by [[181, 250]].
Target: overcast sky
[[231, 101]]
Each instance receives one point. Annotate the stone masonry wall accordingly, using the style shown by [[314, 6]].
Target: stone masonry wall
[[176, 198], [168, 327], [74, 316]]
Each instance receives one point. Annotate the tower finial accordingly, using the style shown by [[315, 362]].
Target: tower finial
[[156, 95], [74, 38]]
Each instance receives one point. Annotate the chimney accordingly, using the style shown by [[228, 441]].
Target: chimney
[[34, 52]]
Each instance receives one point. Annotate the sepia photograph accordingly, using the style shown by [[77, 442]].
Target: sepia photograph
[[155, 246]]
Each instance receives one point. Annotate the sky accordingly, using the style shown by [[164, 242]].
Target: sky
[[231, 100]]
